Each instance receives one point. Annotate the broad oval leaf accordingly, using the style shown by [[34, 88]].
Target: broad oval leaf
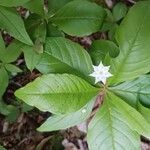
[[100, 48], [57, 93], [11, 3], [60, 122], [134, 42], [14, 25], [74, 19], [116, 126], [63, 55], [119, 11]]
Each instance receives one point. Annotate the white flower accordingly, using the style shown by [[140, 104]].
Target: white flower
[[101, 73]]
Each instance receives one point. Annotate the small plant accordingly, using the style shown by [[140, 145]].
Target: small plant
[[67, 87]]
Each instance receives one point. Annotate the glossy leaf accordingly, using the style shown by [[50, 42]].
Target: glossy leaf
[[100, 48], [10, 3], [57, 122], [116, 126], [134, 42], [132, 91], [59, 94], [74, 19], [65, 56], [3, 80], [13, 24]]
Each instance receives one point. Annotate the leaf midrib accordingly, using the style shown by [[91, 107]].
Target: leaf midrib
[[122, 64], [12, 24]]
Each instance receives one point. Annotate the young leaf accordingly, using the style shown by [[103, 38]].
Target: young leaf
[[59, 94], [32, 58], [74, 19], [12, 68], [100, 48], [132, 91], [3, 80], [134, 42], [14, 25], [65, 56], [12, 3], [57, 122], [116, 126], [119, 11]]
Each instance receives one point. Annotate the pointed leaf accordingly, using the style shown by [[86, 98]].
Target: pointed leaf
[[32, 58], [116, 125], [134, 42], [13, 24], [57, 122], [132, 91], [57, 93], [65, 56]]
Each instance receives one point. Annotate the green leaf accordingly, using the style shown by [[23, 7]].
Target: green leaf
[[14, 25], [12, 68], [145, 111], [116, 126], [13, 113], [53, 31], [2, 148], [3, 80], [3, 108], [32, 58], [132, 91], [54, 5], [134, 42], [11, 3], [74, 19], [36, 6], [119, 11], [2, 44], [12, 52], [100, 48], [65, 56], [60, 122], [57, 93]]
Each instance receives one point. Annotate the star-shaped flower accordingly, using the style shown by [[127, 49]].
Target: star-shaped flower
[[101, 73]]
